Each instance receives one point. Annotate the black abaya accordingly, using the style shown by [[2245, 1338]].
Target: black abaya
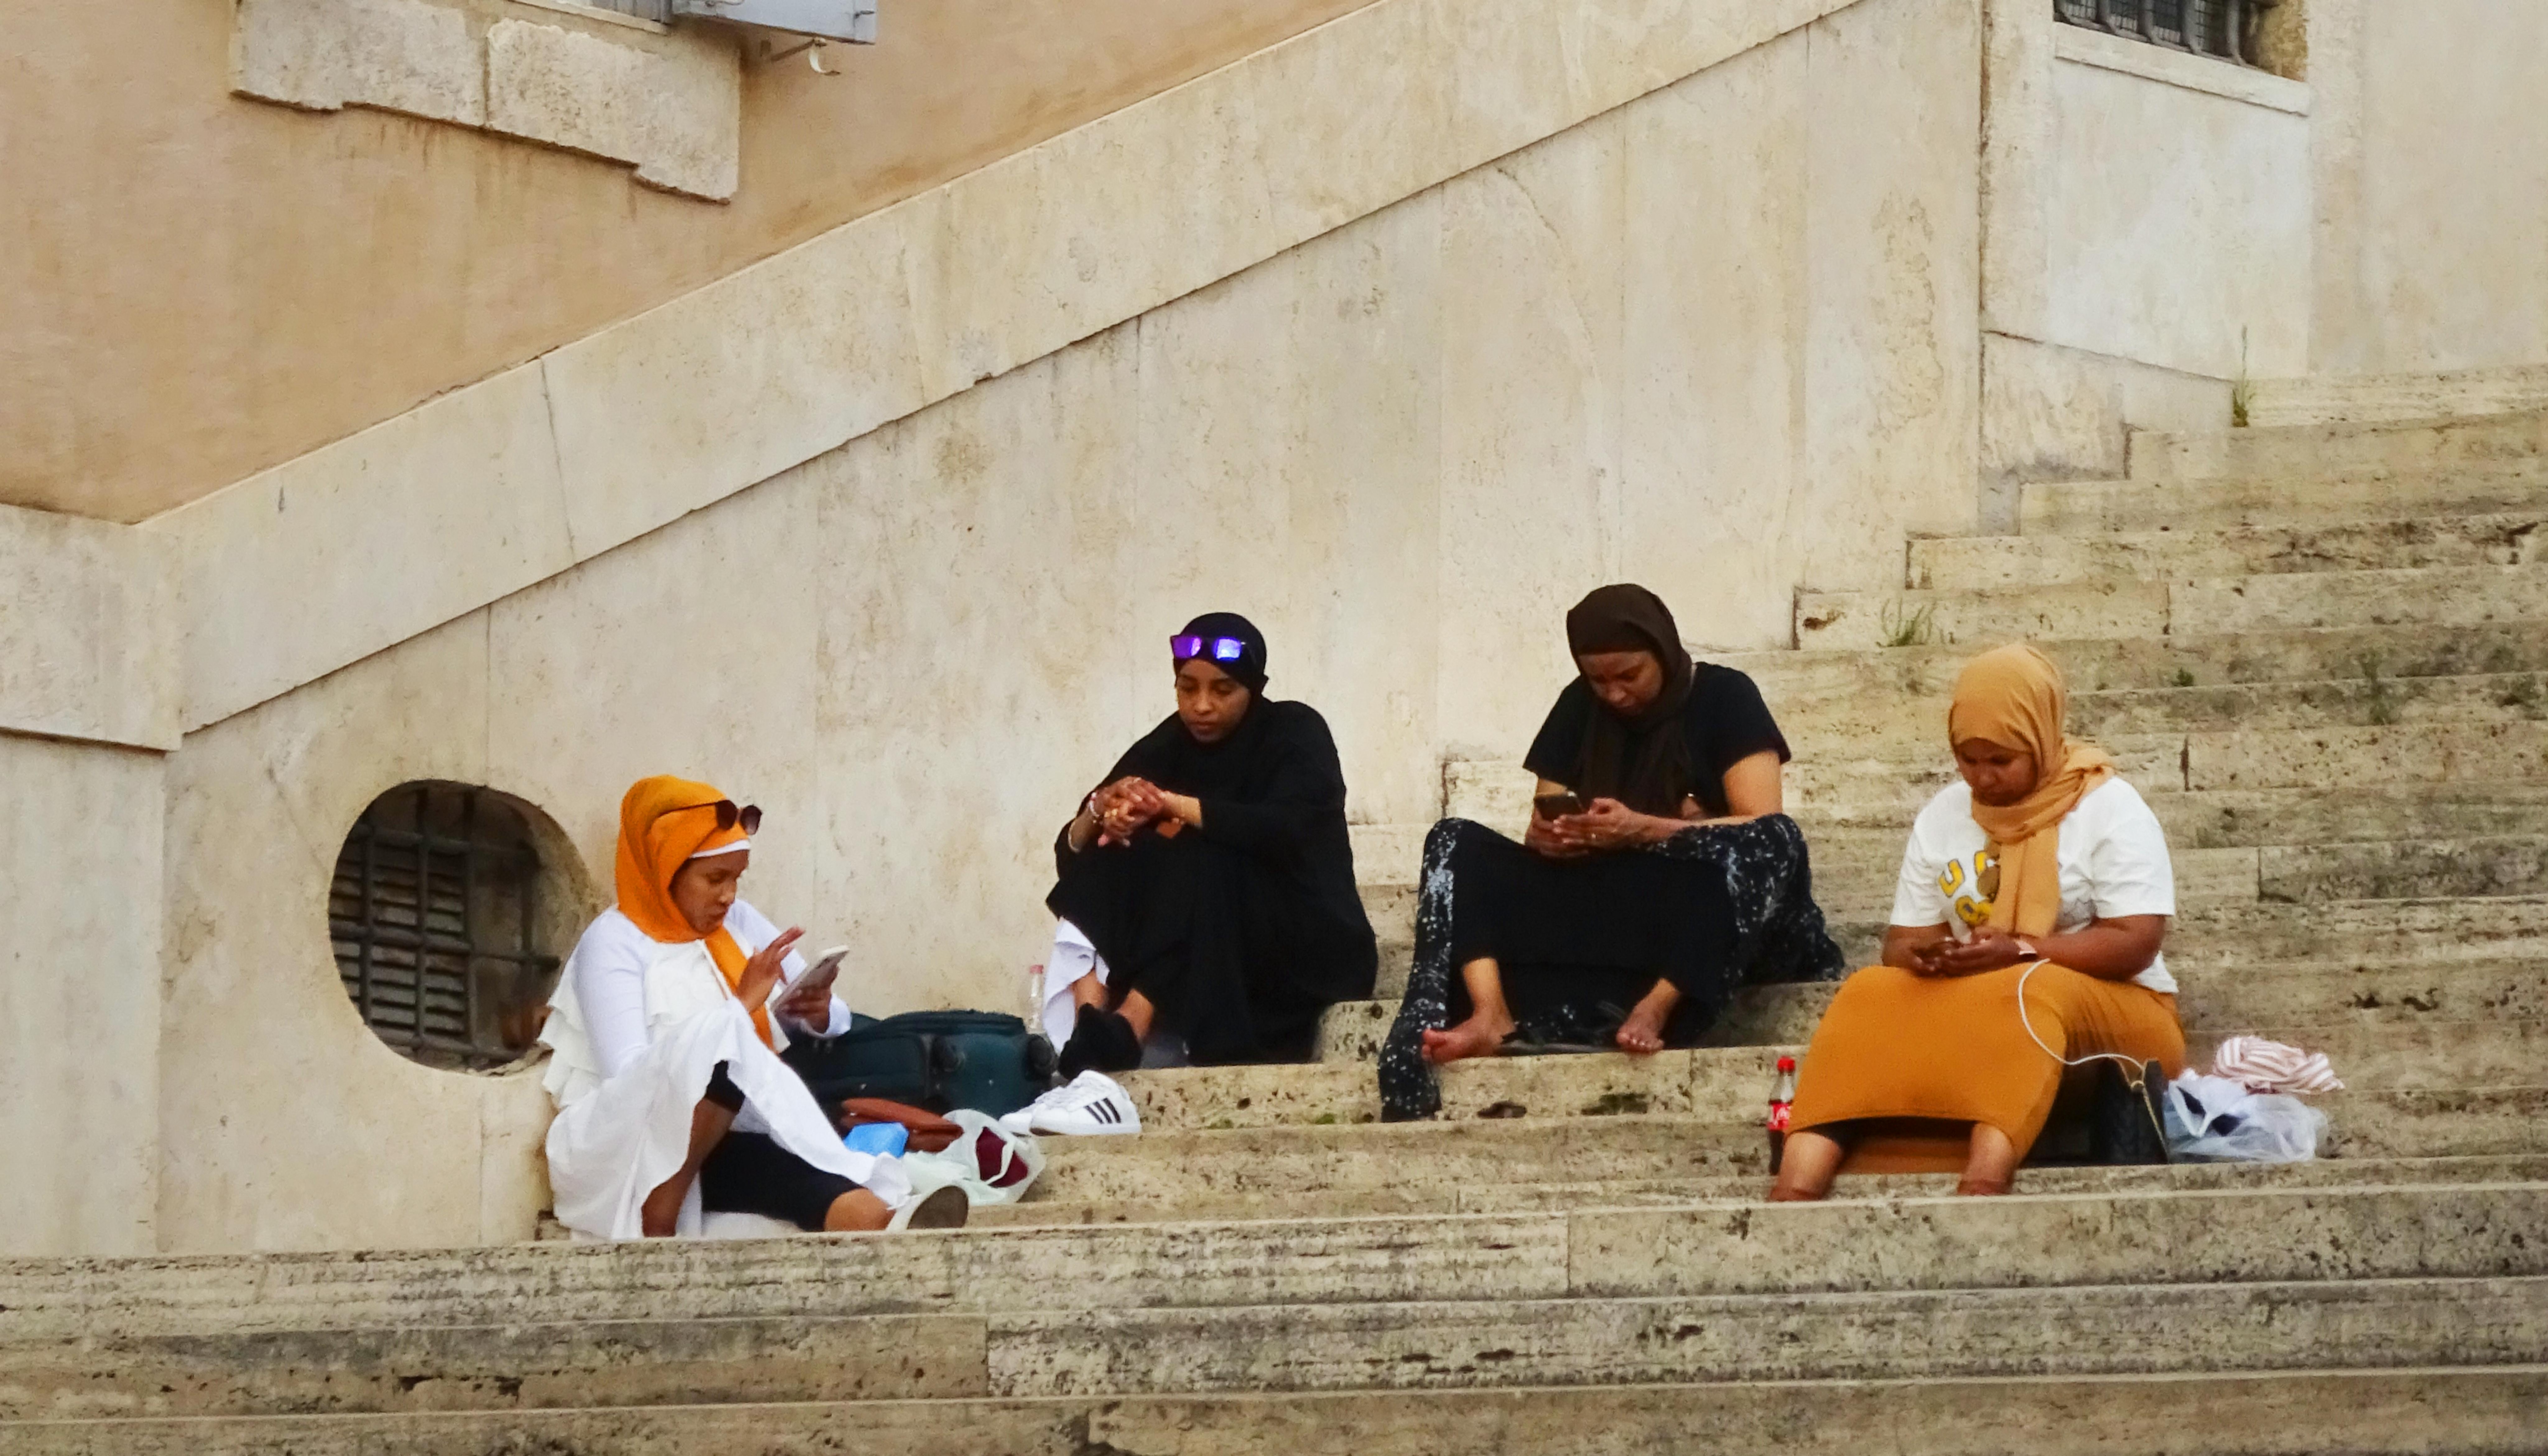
[[1242, 932]]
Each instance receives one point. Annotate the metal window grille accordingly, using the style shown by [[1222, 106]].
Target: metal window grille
[[2205, 26], [657, 11], [434, 912]]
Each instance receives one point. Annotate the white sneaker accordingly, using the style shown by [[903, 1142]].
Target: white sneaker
[[1093, 1104]]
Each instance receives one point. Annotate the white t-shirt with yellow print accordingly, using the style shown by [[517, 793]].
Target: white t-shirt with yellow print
[[2113, 855]]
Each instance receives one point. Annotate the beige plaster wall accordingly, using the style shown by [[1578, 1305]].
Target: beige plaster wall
[[1721, 339], [257, 281], [2432, 172], [2179, 218], [79, 998]]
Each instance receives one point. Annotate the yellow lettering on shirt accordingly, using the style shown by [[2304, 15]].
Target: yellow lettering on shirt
[[1972, 909]]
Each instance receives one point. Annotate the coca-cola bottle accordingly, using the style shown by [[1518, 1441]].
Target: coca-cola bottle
[[1782, 1093]]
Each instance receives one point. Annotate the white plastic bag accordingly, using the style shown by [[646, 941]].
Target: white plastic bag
[[991, 1163], [2213, 1120]]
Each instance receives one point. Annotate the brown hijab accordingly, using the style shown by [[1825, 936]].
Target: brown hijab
[[1643, 762], [2013, 697]]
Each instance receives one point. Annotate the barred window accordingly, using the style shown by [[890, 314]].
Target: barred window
[[2205, 27], [441, 936]]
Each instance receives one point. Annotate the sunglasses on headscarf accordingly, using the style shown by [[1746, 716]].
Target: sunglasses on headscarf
[[1223, 649], [728, 816]]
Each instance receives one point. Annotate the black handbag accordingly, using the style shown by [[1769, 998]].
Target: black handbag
[[940, 1060], [2127, 1122]]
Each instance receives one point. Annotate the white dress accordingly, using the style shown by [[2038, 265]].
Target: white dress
[[635, 1030]]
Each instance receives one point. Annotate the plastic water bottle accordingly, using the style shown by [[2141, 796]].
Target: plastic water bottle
[[1035, 996], [1782, 1093]]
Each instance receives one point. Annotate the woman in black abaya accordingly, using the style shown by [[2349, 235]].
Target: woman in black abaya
[[1630, 918], [1207, 888]]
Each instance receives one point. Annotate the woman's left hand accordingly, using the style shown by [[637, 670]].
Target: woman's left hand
[[1991, 949]]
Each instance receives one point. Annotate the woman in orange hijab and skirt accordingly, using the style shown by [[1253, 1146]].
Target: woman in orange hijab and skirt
[[2025, 940], [664, 1036]]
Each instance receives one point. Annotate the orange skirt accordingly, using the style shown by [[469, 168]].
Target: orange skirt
[[1930, 1050]]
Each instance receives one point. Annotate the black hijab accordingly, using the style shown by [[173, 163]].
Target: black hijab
[[1175, 759], [1643, 761], [1249, 669]]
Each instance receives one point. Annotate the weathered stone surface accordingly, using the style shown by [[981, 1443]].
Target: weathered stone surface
[[2398, 397], [514, 1366], [2340, 449], [675, 106], [409, 56], [2377, 1412], [2497, 538], [2287, 498], [84, 971], [2109, 1331], [1727, 1189], [88, 643]]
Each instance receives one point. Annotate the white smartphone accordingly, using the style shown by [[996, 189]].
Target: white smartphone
[[788, 984]]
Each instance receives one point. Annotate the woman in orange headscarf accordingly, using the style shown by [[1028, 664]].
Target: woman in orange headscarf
[[2039, 874], [663, 1035]]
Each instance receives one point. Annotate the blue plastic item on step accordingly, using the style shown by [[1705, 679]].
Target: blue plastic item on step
[[884, 1139]]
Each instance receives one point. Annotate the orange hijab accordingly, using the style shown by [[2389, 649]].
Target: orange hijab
[[662, 823], [2013, 697]]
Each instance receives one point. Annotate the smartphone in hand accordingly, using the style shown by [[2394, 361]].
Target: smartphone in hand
[[1558, 805], [827, 964]]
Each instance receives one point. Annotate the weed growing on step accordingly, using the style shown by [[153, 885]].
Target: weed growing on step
[[2521, 692], [2243, 390], [1916, 629], [2184, 677]]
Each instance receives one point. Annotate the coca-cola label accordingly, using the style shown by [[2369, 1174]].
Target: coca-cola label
[[1777, 1116]]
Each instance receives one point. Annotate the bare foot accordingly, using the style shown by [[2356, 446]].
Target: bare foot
[[1476, 1037], [1642, 1033]]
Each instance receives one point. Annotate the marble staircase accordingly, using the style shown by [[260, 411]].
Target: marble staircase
[[2319, 648]]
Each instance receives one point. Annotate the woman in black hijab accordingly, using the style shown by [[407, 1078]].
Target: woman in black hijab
[[1210, 880], [1658, 876]]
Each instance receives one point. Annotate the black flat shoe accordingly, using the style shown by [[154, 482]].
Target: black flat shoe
[[1100, 1041]]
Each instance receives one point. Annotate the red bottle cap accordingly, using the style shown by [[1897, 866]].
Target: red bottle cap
[[1786, 1063]]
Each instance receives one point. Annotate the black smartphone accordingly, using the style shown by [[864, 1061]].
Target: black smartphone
[[1558, 805]]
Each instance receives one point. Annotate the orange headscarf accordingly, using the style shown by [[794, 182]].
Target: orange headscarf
[[2013, 697], [663, 822]]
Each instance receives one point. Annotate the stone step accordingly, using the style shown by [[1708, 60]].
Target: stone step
[[2424, 931], [2381, 399], [2098, 507], [1972, 618], [1553, 1143], [1854, 870], [1824, 686], [2342, 448], [2238, 996], [2226, 991], [2222, 818], [2093, 1331], [770, 1342], [2372, 1411], [2354, 760], [1892, 726], [2374, 1219], [1745, 1190], [2503, 538]]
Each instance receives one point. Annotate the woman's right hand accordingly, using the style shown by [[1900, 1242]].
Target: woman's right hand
[[1543, 836], [766, 967]]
